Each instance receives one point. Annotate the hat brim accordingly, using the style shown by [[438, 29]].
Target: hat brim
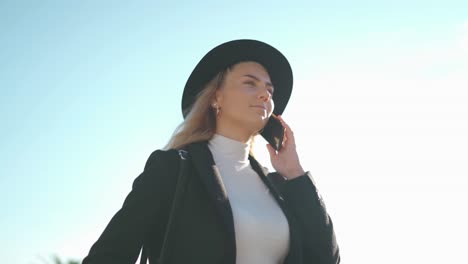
[[232, 52]]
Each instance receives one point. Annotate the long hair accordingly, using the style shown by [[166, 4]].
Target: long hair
[[200, 122]]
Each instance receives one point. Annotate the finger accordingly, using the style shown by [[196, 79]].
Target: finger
[[289, 133], [282, 121], [285, 137], [285, 131]]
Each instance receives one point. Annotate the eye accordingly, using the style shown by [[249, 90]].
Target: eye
[[249, 83]]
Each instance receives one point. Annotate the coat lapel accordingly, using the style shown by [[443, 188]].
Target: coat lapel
[[262, 173], [295, 251], [203, 162]]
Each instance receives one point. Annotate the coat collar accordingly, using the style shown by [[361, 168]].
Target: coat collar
[[208, 172]]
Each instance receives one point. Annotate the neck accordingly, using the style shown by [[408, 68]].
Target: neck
[[238, 133], [244, 138]]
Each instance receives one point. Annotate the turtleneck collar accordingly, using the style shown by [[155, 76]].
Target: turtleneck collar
[[229, 149]]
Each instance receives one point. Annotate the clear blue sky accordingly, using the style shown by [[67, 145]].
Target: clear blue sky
[[90, 88]]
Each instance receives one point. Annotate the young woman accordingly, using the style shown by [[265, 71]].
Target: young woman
[[233, 210]]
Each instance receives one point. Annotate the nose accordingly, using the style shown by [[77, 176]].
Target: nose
[[265, 95]]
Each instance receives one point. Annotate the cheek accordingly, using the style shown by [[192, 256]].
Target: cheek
[[242, 96], [237, 102], [271, 106]]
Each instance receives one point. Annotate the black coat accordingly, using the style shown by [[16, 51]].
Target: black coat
[[204, 231]]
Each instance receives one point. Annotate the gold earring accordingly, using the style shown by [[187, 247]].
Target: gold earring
[[215, 105]]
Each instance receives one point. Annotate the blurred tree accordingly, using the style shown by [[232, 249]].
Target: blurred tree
[[56, 260]]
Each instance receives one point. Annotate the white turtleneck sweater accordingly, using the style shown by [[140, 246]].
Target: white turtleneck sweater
[[261, 228]]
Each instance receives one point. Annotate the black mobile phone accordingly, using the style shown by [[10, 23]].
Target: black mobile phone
[[273, 132]]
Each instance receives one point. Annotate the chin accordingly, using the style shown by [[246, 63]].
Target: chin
[[259, 124], [254, 122]]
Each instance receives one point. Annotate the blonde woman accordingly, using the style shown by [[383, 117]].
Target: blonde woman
[[232, 210]]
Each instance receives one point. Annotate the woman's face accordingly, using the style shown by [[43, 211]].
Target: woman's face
[[245, 99]]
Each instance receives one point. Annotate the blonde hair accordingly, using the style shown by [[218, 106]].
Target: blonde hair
[[200, 122]]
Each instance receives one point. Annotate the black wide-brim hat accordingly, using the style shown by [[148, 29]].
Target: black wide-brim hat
[[235, 51]]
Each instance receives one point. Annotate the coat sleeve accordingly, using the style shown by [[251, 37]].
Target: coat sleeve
[[123, 236], [302, 196]]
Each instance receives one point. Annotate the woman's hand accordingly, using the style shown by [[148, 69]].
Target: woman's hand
[[286, 161]]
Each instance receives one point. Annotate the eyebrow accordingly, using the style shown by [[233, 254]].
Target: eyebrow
[[256, 78]]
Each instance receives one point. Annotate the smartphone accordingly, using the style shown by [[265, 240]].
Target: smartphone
[[273, 132]]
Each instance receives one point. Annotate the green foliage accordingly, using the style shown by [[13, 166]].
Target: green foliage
[[56, 260]]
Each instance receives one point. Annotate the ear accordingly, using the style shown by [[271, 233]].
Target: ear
[[218, 98]]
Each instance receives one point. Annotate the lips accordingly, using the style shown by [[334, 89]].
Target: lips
[[260, 106]]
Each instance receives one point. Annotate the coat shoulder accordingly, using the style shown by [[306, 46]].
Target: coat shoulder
[[161, 156]]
